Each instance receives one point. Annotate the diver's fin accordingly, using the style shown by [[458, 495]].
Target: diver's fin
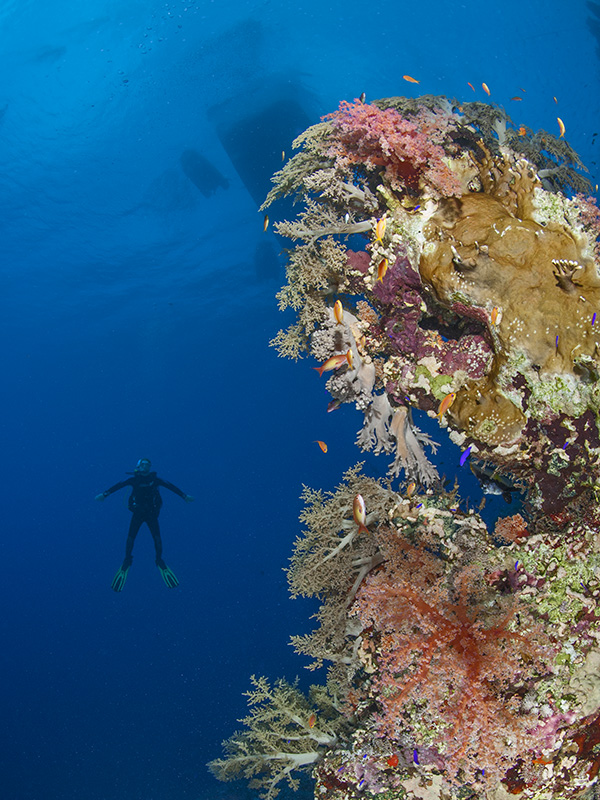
[[167, 573], [118, 582]]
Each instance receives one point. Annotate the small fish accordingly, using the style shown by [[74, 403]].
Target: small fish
[[393, 761], [335, 362], [363, 97], [380, 228], [382, 269], [338, 312], [522, 90], [555, 100], [346, 217], [321, 444], [486, 88], [594, 318], [471, 85], [312, 720], [283, 155], [333, 405], [492, 482], [495, 312], [266, 222], [522, 131], [410, 79], [416, 756], [556, 343], [411, 489], [561, 127], [516, 98], [445, 404], [359, 512], [464, 456]]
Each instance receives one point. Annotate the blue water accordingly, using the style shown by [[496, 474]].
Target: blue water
[[135, 318]]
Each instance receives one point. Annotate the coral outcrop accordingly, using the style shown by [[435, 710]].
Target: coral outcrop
[[445, 262], [478, 278]]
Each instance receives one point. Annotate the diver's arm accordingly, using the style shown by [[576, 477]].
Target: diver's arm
[[161, 482], [115, 488]]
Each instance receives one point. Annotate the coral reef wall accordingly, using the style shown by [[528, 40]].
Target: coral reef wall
[[446, 261]]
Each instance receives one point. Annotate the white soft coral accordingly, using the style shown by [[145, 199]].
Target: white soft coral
[[391, 430]]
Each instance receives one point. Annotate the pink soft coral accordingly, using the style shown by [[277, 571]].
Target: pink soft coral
[[451, 658], [409, 148]]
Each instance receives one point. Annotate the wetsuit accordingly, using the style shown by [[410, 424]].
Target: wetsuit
[[144, 503]]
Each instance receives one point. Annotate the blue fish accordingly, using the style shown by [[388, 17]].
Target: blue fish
[[464, 456]]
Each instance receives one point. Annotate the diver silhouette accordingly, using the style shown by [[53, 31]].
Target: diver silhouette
[[145, 503]]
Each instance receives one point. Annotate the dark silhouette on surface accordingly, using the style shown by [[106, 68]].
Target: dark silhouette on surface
[[202, 173], [144, 503]]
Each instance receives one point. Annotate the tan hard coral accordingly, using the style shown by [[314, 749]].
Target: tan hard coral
[[538, 287]]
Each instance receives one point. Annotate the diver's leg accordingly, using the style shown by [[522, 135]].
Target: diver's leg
[[134, 527], [166, 572], [152, 523]]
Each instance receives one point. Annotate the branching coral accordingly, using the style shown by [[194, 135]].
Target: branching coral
[[331, 560], [392, 430], [284, 733]]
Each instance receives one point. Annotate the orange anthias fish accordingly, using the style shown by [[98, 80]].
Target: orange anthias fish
[[471, 85], [338, 312], [312, 720], [411, 488], [410, 79], [561, 127], [486, 88], [495, 312], [445, 404], [516, 98], [522, 131], [380, 228], [393, 761], [322, 445], [359, 513], [335, 362], [266, 222], [382, 269]]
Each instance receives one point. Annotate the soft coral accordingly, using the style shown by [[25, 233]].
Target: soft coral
[[410, 148], [450, 667]]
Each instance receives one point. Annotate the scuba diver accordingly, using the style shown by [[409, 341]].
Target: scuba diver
[[144, 503]]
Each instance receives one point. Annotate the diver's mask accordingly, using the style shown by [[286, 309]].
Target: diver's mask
[[143, 466]]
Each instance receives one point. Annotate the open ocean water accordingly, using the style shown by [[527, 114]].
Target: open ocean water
[[137, 300]]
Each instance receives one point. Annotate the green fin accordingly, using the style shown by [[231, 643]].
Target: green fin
[[118, 582], [168, 575]]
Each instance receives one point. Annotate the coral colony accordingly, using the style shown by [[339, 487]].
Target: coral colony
[[443, 260]]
